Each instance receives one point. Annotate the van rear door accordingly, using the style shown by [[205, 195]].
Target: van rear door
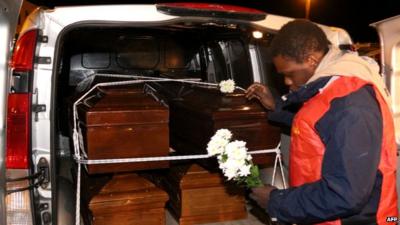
[[389, 34], [9, 10]]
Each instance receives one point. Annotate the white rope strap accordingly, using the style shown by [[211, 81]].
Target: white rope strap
[[78, 196], [185, 80], [159, 158]]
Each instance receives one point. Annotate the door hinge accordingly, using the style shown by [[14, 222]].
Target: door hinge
[[43, 39], [43, 60], [38, 108]]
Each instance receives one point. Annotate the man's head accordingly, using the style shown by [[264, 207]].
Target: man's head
[[297, 50]]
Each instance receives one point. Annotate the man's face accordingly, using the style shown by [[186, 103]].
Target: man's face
[[295, 74]]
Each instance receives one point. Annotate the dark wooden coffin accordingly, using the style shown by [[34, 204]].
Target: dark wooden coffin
[[124, 122], [200, 196], [126, 199], [196, 113]]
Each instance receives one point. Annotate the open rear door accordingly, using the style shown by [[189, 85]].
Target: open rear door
[[9, 10], [389, 34]]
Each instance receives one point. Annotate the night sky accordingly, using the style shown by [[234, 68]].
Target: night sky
[[352, 15]]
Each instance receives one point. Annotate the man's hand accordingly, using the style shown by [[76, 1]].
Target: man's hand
[[262, 93], [261, 195]]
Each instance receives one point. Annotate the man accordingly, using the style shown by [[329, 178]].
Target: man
[[343, 153]]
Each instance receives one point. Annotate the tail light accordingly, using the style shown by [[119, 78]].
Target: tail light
[[18, 131], [18, 107], [24, 52]]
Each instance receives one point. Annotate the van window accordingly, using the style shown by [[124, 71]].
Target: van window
[[228, 59], [205, 53], [138, 53]]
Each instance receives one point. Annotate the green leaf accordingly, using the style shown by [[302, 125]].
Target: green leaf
[[254, 171], [253, 180], [224, 157]]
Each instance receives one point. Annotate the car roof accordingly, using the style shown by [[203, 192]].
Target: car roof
[[148, 13]]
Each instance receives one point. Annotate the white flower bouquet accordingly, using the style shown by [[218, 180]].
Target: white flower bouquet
[[233, 159], [227, 86]]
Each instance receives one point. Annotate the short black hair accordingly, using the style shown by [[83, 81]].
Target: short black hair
[[297, 39]]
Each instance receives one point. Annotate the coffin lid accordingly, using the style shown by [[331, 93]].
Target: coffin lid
[[121, 106], [210, 102]]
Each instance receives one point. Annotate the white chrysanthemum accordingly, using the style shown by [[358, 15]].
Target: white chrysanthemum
[[227, 86], [231, 168], [244, 170], [223, 133], [237, 164], [236, 150], [222, 166], [217, 145], [230, 173], [249, 158], [233, 159]]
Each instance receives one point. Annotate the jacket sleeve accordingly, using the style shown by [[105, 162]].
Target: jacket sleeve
[[352, 136], [280, 114]]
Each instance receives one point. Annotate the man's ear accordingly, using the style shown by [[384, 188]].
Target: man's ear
[[312, 60]]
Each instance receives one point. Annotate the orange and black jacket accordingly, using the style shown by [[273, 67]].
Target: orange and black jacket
[[342, 155]]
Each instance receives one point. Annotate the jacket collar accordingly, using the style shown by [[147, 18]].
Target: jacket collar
[[306, 92]]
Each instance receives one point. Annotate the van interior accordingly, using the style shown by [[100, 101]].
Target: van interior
[[202, 51]]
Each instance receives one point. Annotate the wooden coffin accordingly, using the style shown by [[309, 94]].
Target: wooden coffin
[[124, 122], [126, 199], [196, 113], [200, 196]]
